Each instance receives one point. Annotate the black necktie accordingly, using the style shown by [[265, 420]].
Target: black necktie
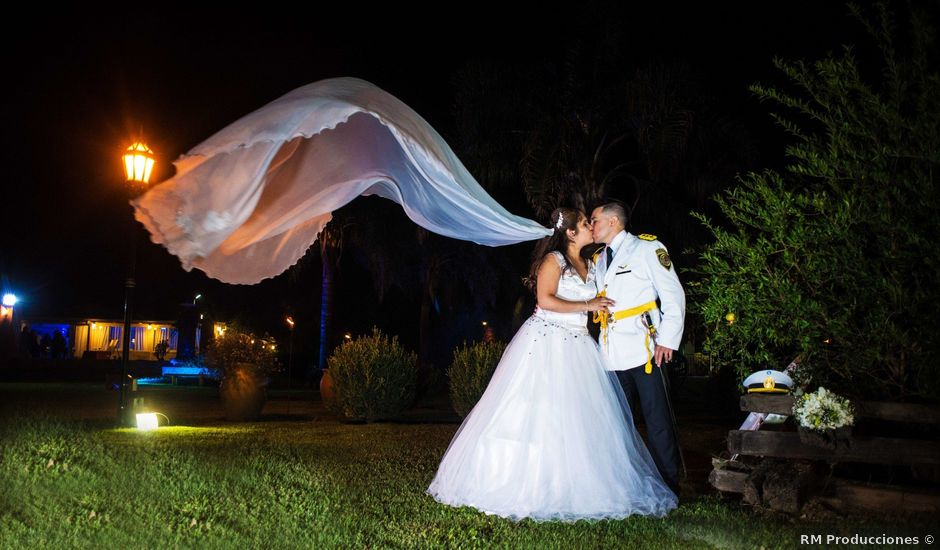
[[610, 256]]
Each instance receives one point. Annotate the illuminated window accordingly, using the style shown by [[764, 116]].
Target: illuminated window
[[137, 338]]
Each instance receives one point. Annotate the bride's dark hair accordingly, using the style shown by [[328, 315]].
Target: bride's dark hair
[[562, 219]]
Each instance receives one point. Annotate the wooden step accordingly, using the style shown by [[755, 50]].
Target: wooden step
[[885, 498], [897, 412], [867, 450], [729, 481], [849, 494]]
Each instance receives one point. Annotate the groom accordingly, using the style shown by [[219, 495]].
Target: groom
[[635, 271]]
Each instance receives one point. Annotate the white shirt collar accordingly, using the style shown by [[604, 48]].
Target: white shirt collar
[[618, 240]]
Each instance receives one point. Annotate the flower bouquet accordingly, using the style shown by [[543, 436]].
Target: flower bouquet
[[824, 418]]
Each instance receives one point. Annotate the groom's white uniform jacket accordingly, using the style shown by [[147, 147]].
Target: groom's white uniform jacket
[[640, 272]]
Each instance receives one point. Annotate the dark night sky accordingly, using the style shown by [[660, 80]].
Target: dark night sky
[[80, 83]]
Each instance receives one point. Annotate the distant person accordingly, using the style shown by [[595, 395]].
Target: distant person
[[45, 346], [58, 346], [27, 341], [160, 350], [35, 345]]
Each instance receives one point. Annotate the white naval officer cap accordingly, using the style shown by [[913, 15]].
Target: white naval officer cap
[[768, 381]]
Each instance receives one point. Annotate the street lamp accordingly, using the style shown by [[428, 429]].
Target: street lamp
[[290, 357], [196, 297], [138, 166], [138, 163]]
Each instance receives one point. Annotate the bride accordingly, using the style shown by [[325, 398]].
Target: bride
[[552, 438]]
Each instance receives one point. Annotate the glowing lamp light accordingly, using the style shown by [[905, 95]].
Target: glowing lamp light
[[147, 422], [9, 300], [290, 321], [484, 323], [138, 163], [730, 318], [347, 336]]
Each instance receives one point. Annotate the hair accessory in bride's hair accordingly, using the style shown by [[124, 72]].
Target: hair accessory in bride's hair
[[561, 220]]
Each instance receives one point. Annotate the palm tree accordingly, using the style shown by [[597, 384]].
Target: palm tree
[[650, 138], [331, 242]]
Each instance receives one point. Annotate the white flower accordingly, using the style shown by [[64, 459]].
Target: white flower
[[823, 410]]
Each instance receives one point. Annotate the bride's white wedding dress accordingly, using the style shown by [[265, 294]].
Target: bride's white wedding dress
[[552, 438]]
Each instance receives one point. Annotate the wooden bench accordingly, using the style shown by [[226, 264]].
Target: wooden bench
[[785, 449]]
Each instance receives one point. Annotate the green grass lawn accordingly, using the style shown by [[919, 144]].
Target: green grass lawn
[[299, 484]]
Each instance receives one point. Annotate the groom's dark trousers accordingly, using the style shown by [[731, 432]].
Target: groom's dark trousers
[[647, 391]]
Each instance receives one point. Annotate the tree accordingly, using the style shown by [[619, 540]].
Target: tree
[[331, 241], [589, 125], [836, 259]]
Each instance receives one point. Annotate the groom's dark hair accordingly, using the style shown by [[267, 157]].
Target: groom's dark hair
[[616, 208]]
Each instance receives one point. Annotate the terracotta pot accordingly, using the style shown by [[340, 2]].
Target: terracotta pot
[[243, 392], [327, 391]]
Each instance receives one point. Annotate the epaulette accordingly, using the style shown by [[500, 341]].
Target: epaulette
[[646, 237]]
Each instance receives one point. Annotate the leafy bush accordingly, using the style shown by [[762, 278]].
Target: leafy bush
[[836, 260], [471, 372], [373, 377]]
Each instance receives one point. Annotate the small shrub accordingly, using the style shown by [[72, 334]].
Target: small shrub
[[471, 372], [373, 377]]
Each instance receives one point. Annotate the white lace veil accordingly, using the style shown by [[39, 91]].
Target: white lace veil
[[247, 203]]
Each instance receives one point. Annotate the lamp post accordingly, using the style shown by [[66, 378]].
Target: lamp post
[[197, 345], [290, 357], [8, 332], [138, 166]]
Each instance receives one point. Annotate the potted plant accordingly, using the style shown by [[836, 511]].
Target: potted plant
[[244, 364]]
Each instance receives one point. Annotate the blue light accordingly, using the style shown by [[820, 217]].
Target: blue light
[[187, 371], [150, 381], [9, 300]]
